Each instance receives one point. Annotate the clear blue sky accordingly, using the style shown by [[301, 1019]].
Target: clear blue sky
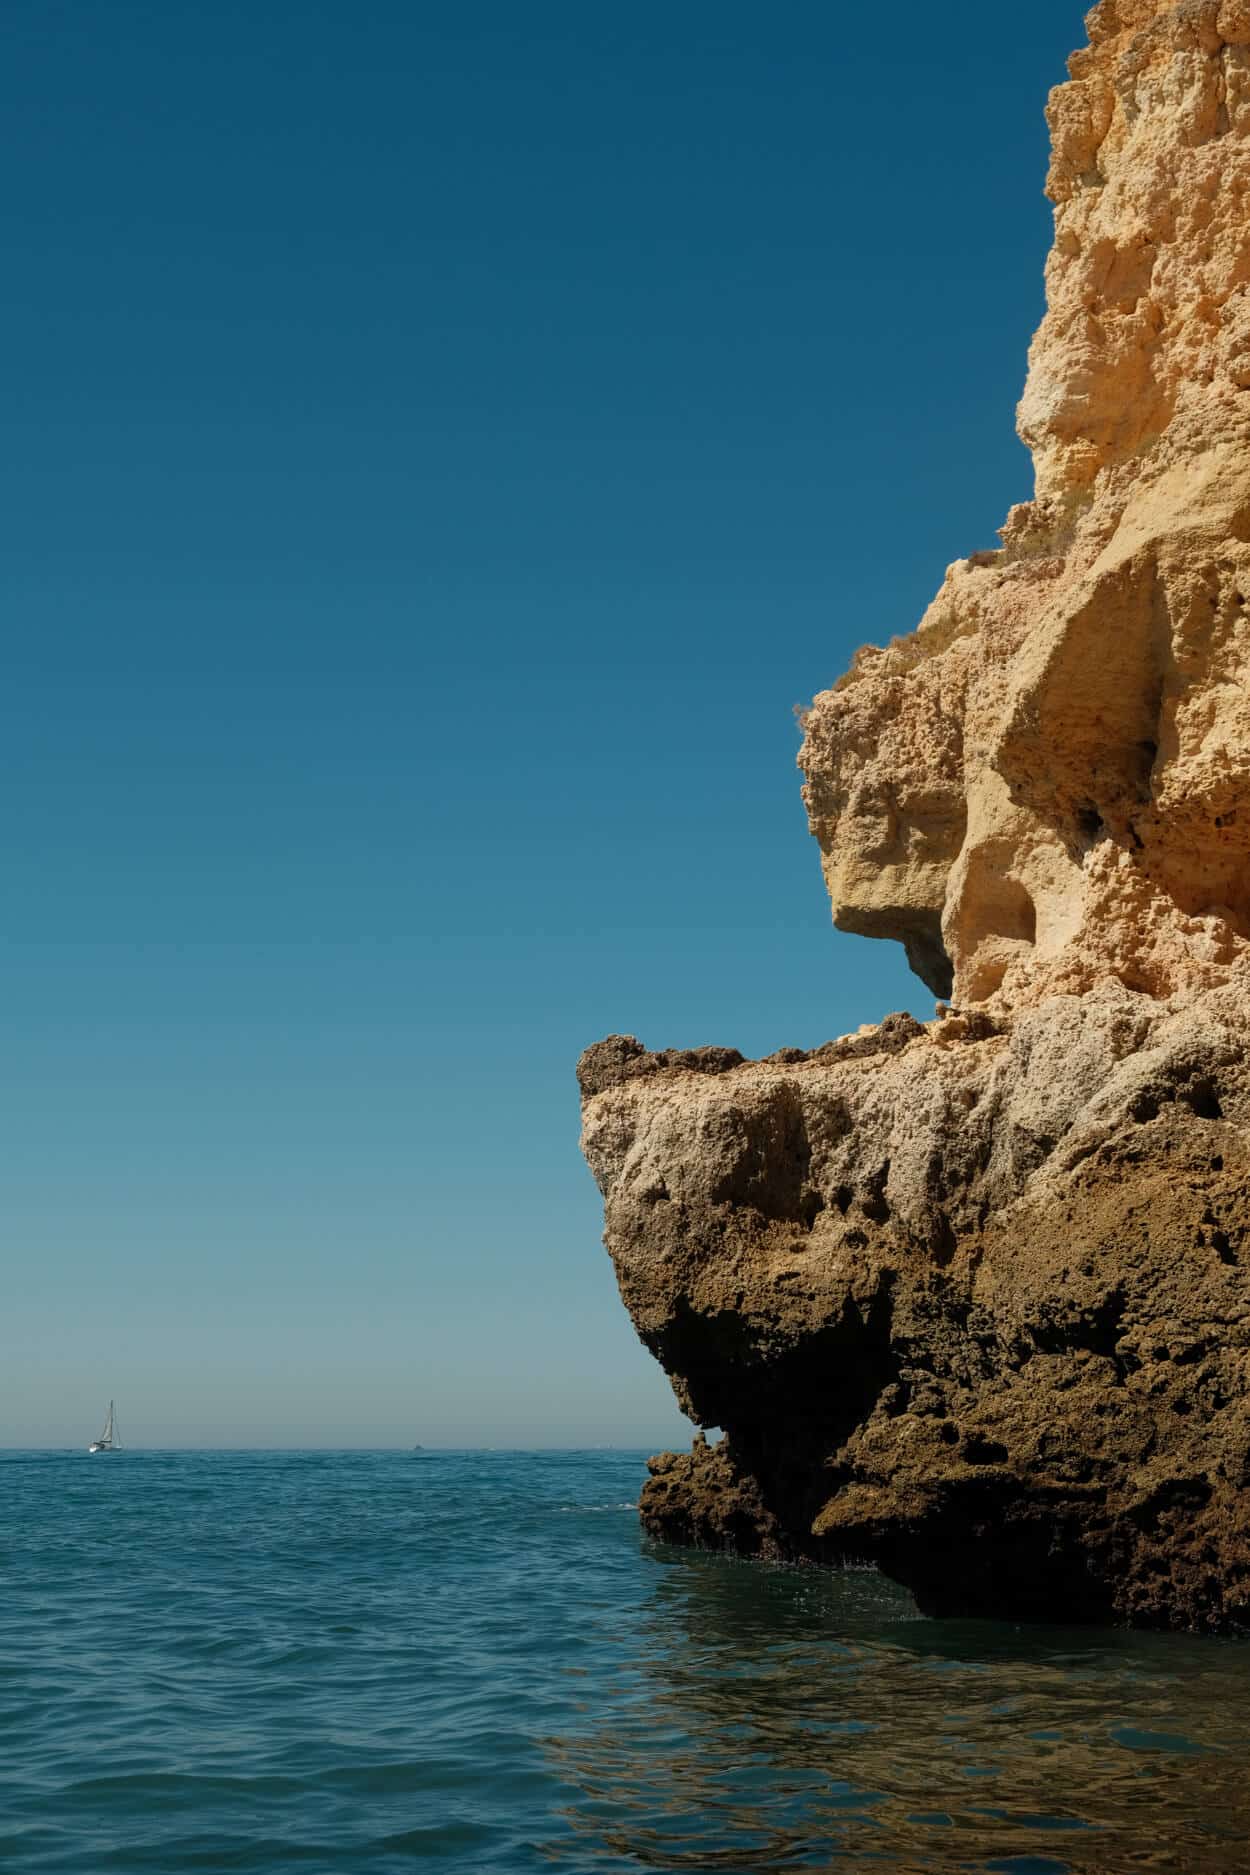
[[443, 444]]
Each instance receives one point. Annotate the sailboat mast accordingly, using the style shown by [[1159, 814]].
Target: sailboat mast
[[108, 1440]]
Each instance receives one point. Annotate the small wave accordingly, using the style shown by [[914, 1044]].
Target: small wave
[[583, 1510]]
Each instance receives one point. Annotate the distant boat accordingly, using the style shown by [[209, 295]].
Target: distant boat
[[110, 1439]]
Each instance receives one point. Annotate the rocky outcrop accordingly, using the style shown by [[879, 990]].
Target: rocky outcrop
[[970, 1298]]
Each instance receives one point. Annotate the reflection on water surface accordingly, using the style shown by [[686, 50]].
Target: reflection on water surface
[[771, 1718]]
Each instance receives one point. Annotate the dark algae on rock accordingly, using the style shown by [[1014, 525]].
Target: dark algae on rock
[[970, 1298]]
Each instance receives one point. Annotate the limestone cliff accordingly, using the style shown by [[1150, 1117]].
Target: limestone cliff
[[970, 1298], [1039, 789]]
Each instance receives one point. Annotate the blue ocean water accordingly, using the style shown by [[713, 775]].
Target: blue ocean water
[[374, 1662]]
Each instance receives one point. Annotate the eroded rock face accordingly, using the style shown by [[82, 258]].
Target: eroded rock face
[[1046, 784], [969, 1298]]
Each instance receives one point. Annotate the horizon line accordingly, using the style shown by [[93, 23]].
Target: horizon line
[[599, 1446]]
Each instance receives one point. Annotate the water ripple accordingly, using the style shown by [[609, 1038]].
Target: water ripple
[[362, 1662]]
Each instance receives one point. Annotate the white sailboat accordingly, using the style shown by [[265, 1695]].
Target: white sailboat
[[110, 1439]]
